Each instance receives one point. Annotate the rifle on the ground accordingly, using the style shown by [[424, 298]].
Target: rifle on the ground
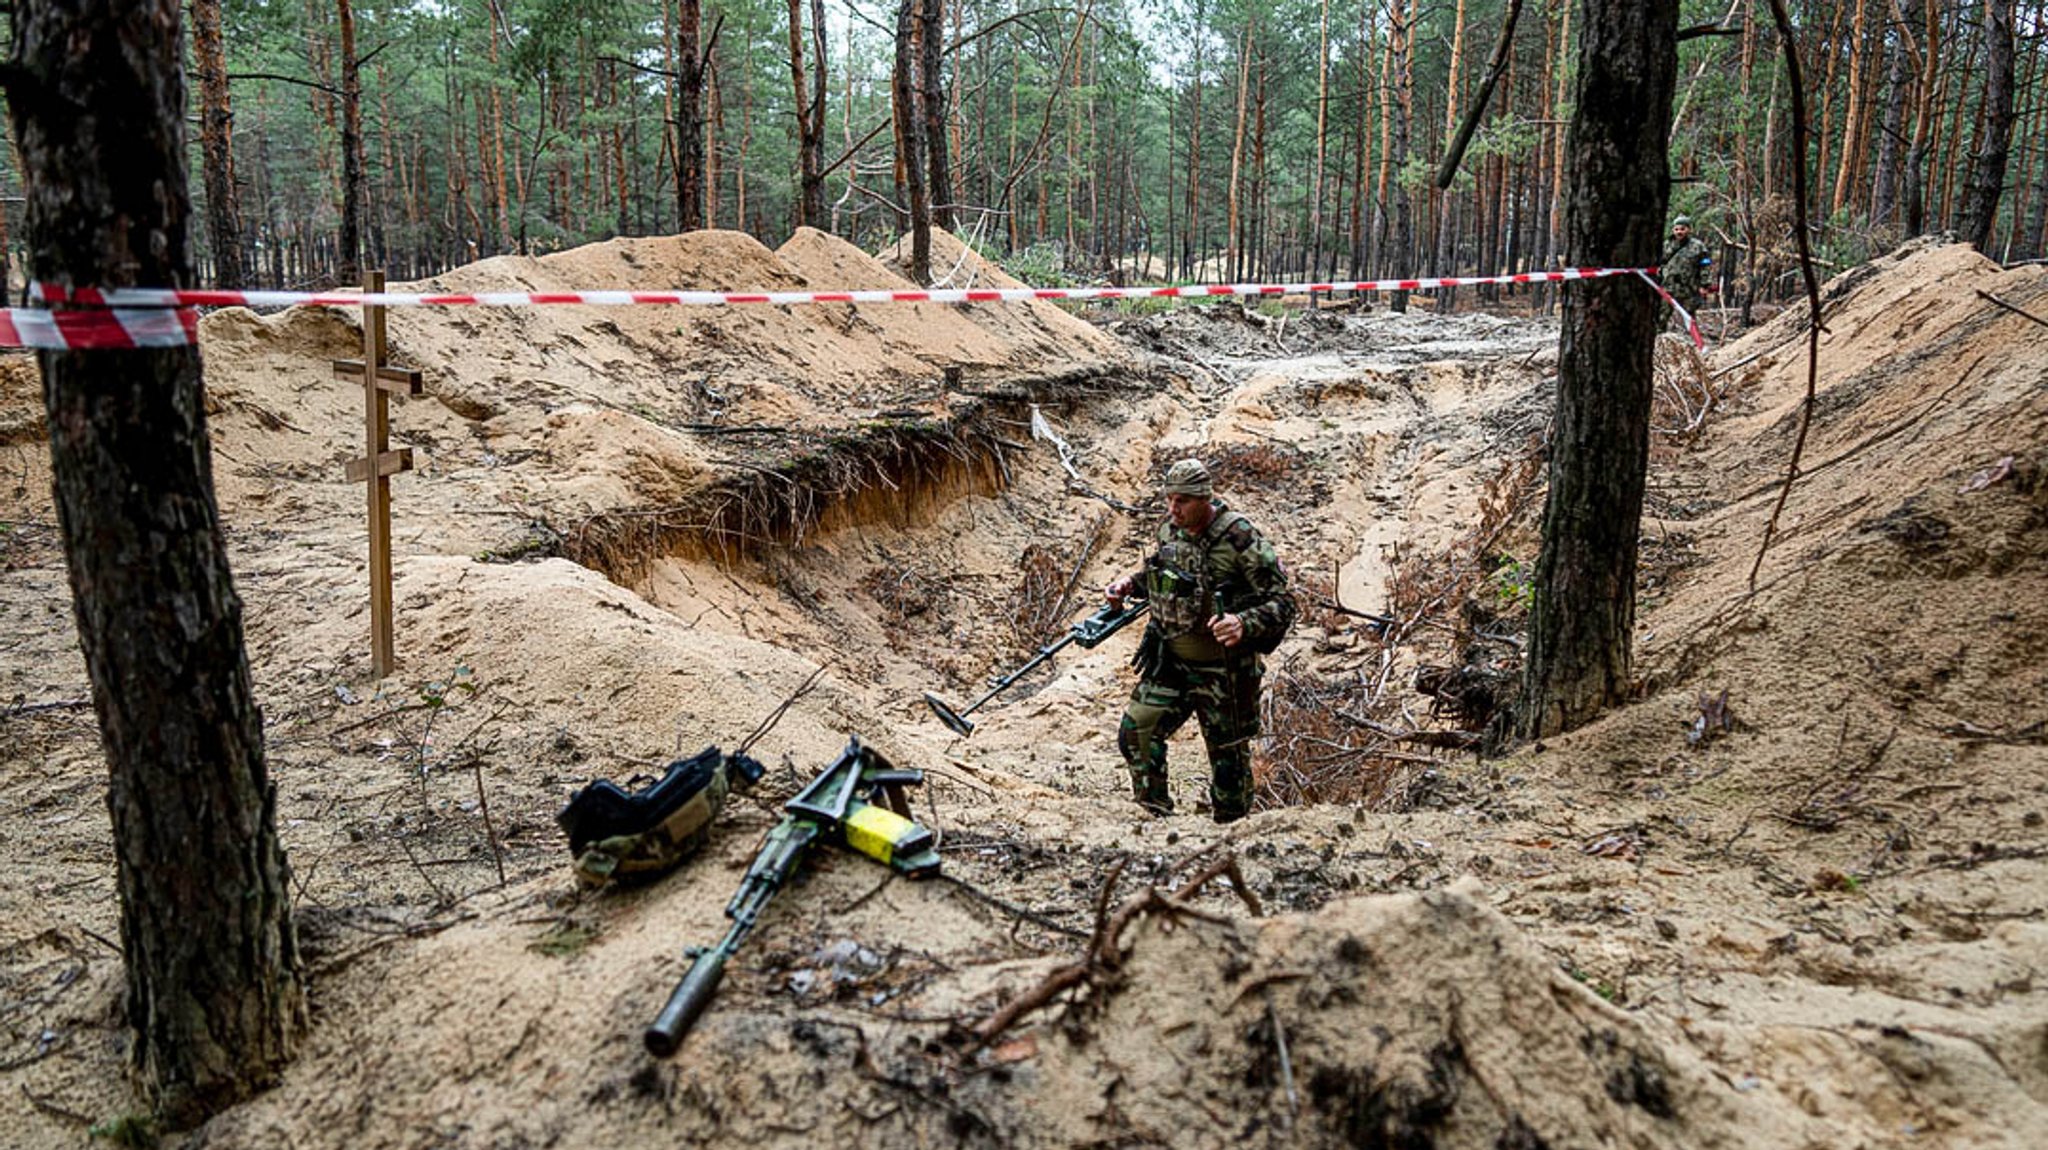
[[858, 803], [1107, 620]]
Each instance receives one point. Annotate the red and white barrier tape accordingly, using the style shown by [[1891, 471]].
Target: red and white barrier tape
[[1692, 325], [159, 317], [121, 327]]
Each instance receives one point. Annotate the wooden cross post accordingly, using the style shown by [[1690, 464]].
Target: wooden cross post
[[379, 463]]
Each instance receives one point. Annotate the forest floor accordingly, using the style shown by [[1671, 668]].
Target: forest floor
[[1792, 897]]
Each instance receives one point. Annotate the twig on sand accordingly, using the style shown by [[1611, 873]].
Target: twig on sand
[[1286, 1063], [1100, 963], [2016, 311], [38, 708], [1011, 909], [775, 716]]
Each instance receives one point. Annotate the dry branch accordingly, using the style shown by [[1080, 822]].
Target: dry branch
[[1102, 960]]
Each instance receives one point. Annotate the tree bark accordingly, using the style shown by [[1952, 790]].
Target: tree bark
[[1891, 144], [810, 113], [1402, 255], [1580, 625], [931, 52], [910, 143], [1233, 259], [214, 989], [1853, 129]]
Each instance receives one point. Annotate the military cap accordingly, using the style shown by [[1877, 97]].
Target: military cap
[[1682, 222], [1188, 477]]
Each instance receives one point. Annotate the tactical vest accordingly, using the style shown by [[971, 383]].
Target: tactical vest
[[1186, 581]]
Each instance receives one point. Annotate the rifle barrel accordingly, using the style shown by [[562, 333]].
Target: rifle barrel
[[780, 852], [690, 997]]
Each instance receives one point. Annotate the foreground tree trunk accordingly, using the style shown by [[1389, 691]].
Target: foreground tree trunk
[[1584, 611], [911, 123], [213, 982]]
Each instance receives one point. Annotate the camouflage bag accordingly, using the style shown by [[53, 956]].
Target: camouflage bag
[[625, 836]]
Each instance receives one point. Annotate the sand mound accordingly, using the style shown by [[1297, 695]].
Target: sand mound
[[687, 421], [1409, 1021]]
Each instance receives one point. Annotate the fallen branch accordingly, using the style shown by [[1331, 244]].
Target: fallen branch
[[775, 716], [38, 708], [1813, 328], [1104, 956], [2016, 311]]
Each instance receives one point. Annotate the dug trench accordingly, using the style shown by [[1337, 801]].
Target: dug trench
[[1790, 898]]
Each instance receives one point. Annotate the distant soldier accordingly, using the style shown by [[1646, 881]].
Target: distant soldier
[[1219, 600], [1685, 267]]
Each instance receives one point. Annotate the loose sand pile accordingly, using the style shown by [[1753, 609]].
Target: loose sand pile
[[1819, 928]]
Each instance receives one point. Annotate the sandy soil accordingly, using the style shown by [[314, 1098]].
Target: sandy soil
[[633, 532]]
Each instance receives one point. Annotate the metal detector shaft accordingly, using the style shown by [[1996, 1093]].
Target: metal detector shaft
[[958, 721], [1003, 684], [1089, 632]]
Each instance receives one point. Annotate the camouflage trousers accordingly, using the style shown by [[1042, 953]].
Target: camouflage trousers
[[1224, 698]]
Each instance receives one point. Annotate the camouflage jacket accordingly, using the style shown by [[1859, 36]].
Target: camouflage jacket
[[1228, 568], [1684, 268]]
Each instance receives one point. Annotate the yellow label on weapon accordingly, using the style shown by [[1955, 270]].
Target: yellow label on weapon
[[876, 831]]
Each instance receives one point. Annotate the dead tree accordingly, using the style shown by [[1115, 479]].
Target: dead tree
[[97, 95]]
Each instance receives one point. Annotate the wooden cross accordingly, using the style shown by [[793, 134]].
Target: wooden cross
[[380, 463]]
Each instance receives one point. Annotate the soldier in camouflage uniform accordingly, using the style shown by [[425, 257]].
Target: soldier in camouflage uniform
[[1219, 598], [1684, 268]]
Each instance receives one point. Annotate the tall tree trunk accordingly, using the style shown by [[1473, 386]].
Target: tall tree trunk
[[214, 992], [1233, 262], [2035, 230], [810, 113], [216, 147], [690, 198], [350, 266], [1314, 238], [1891, 143], [931, 53], [1994, 144], [1190, 219], [1584, 612], [1853, 120], [1403, 253], [910, 144]]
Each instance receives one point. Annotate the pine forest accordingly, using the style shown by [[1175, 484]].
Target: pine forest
[[1102, 141]]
